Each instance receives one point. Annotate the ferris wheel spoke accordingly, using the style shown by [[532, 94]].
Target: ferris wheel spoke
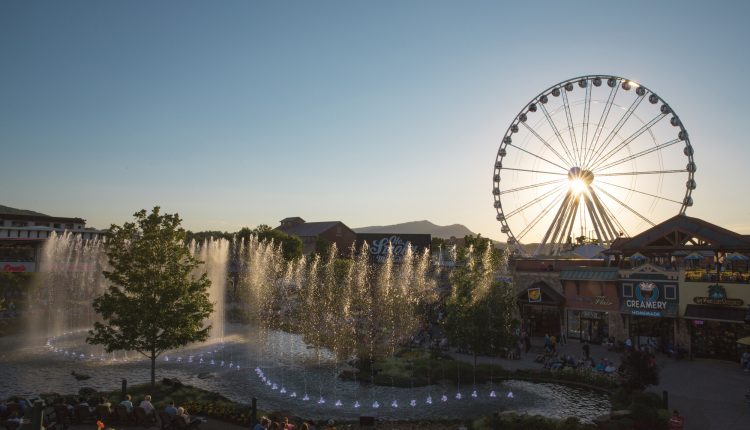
[[532, 202], [603, 118], [534, 171], [585, 128], [627, 141], [528, 187], [646, 172], [547, 144], [640, 192], [571, 128], [530, 226], [625, 205], [537, 156], [560, 139], [616, 129], [638, 154]]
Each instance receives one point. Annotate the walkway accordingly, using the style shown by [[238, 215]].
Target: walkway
[[708, 393]]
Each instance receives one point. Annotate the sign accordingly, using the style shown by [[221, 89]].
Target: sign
[[602, 301], [717, 295], [10, 268], [591, 315], [535, 295], [380, 244], [646, 302]]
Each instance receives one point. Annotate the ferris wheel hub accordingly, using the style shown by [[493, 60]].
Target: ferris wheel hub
[[583, 175]]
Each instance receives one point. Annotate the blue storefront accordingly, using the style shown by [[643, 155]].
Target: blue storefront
[[649, 303]]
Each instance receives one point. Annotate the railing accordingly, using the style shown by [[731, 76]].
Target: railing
[[706, 276]]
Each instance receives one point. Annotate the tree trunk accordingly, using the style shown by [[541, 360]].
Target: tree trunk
[[153, 369]]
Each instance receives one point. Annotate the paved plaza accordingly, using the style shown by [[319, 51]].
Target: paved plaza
[[708, 393]]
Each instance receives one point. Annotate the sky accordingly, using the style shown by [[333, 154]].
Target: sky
[[239, 113]]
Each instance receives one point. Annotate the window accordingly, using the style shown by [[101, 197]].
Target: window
[[19, 224], [627, 290], [69, 226], [670, 292], [57, 225]]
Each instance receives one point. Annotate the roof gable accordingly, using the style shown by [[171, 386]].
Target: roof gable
[[683, 232]]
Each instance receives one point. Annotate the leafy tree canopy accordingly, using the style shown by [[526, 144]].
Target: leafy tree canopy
[[155, 302]]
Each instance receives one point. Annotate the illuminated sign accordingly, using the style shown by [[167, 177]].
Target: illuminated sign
[[717, 295], [535, 295], [646, 301]]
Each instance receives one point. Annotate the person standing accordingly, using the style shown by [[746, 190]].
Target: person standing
[[586, 350], [676, 421]]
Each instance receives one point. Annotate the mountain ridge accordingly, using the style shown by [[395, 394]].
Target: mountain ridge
[[7, 210], [420, 227]]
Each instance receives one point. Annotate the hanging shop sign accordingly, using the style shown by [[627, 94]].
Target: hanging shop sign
[[602, 301], [717, 295], [535, 295]]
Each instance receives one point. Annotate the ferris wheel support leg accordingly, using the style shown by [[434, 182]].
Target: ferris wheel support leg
[[607, 221], [567, 230], [595, 220], [555, 225]]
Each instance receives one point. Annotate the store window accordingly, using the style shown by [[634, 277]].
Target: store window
[[627, 290], [670, 292]]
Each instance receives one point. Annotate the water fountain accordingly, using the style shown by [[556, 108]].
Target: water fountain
[[311, 319]]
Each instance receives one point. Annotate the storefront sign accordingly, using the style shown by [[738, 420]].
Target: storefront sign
[[602, 301], [535, 295], [717, 295], [11, 268], [380, 245], [646, 302], [591, 315]]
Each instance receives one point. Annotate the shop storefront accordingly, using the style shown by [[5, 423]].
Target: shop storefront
[[649, 296], [591, 302], [541, 310], [717, 317]]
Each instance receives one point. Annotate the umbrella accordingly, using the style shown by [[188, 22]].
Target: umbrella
[[694, 256], [744, 341], [736, 256], [637, 256]]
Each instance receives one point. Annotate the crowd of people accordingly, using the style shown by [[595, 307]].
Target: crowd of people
[[82, 409], [266, 423]]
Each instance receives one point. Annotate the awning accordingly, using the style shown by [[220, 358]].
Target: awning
[[716, 313], [590, 274]]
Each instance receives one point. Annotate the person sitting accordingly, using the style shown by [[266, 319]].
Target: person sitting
[[262, 424], [147, 405], [183, 415], [287, 425], [104, 402], [170, 409], [745, 361], [127, 403]]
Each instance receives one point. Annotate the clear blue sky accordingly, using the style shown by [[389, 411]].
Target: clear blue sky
[[246, 112]]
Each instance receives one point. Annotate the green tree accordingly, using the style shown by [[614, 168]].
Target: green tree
[[638, 370], [155, 302], [291, 246], [479, 311]]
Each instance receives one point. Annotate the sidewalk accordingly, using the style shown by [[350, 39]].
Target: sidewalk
[[708, 393]]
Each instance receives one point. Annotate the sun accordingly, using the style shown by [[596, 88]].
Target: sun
[[578, 186]]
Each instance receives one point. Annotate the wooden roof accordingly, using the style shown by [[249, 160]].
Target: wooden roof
[[682, 232]]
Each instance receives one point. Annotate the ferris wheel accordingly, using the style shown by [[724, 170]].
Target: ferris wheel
[[588, 160]]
